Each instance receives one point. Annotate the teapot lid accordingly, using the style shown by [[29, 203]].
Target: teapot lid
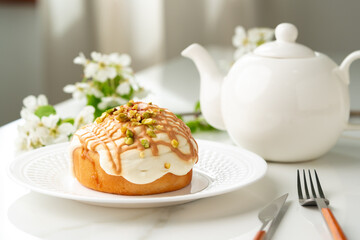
[[284, 46]]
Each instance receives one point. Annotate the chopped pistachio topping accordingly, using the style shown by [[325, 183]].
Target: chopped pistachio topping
[[124, 128], [129, 141], [130, 103], [132, 113], [122, 117], [110, 111], [148, 121], [129, 133], [167, 165], [102, 117], [151, 133], [146, 114], [174, 143], [135, 107], [120, 110], [145, 143], [135, 124], [142, 154], [160, 127], [151, 127]]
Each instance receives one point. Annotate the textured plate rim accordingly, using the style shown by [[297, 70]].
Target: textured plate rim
[[250, 157]]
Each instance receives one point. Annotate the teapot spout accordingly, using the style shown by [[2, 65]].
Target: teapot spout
[[210, 84]]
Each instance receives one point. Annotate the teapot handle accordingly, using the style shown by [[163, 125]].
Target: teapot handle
[[344, 70]]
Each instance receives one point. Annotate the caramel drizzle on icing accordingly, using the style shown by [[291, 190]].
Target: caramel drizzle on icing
[[109, 131]]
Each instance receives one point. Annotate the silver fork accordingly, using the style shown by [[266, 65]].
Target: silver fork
[[319, 200]]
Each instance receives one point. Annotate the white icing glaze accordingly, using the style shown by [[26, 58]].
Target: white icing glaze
[[142, 170]]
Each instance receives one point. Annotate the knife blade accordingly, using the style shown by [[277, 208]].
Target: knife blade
[[269, 214]]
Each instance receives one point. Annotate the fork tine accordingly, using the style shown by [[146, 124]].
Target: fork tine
[[312, 185], [299, 186], [321, 193], [305, 185]]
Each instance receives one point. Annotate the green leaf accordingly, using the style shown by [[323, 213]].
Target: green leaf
[[117, 80], [106, 88], [45, 111], [199, 124], [197, 107], [193, 125], [97, 113], [66, 120], [179, 117], [94, 101]]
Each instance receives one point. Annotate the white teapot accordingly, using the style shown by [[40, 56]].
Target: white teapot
[[284, 101]]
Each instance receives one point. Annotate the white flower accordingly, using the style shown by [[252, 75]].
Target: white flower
[[30, 138], [99, 71], [32, 134], [241, 41], [98, 57], [260, 35], [63, 132], [239, 37], [90, 69], [79, 90], [247, 42], [123, 88], [105, 73], [50, 121], [55, 133], [123, 60], [42, 100], [37, 132], [112, 101], [29, 116], [32, 103], [26, 139], [70, 88], [96, 92], [39, 136], [81, 59], [85, 116]]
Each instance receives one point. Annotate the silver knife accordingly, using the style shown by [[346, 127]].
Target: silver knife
[[269, 214]]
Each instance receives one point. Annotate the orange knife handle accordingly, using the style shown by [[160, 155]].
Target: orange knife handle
[[260, 235], [334, 226]]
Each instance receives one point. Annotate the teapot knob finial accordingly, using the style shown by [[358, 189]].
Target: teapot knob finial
[[286, 32]]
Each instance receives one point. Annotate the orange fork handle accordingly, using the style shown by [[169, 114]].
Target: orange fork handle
[[260, 235], [334, 226]]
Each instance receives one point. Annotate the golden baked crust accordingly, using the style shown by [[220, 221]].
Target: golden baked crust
[[89, 173]]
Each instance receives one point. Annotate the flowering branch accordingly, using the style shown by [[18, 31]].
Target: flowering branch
[[108, 81], [43, 126]]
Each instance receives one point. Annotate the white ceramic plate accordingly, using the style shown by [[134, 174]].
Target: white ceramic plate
[[221, 168]]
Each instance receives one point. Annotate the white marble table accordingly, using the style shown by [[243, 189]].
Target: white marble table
[[28, 215]]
